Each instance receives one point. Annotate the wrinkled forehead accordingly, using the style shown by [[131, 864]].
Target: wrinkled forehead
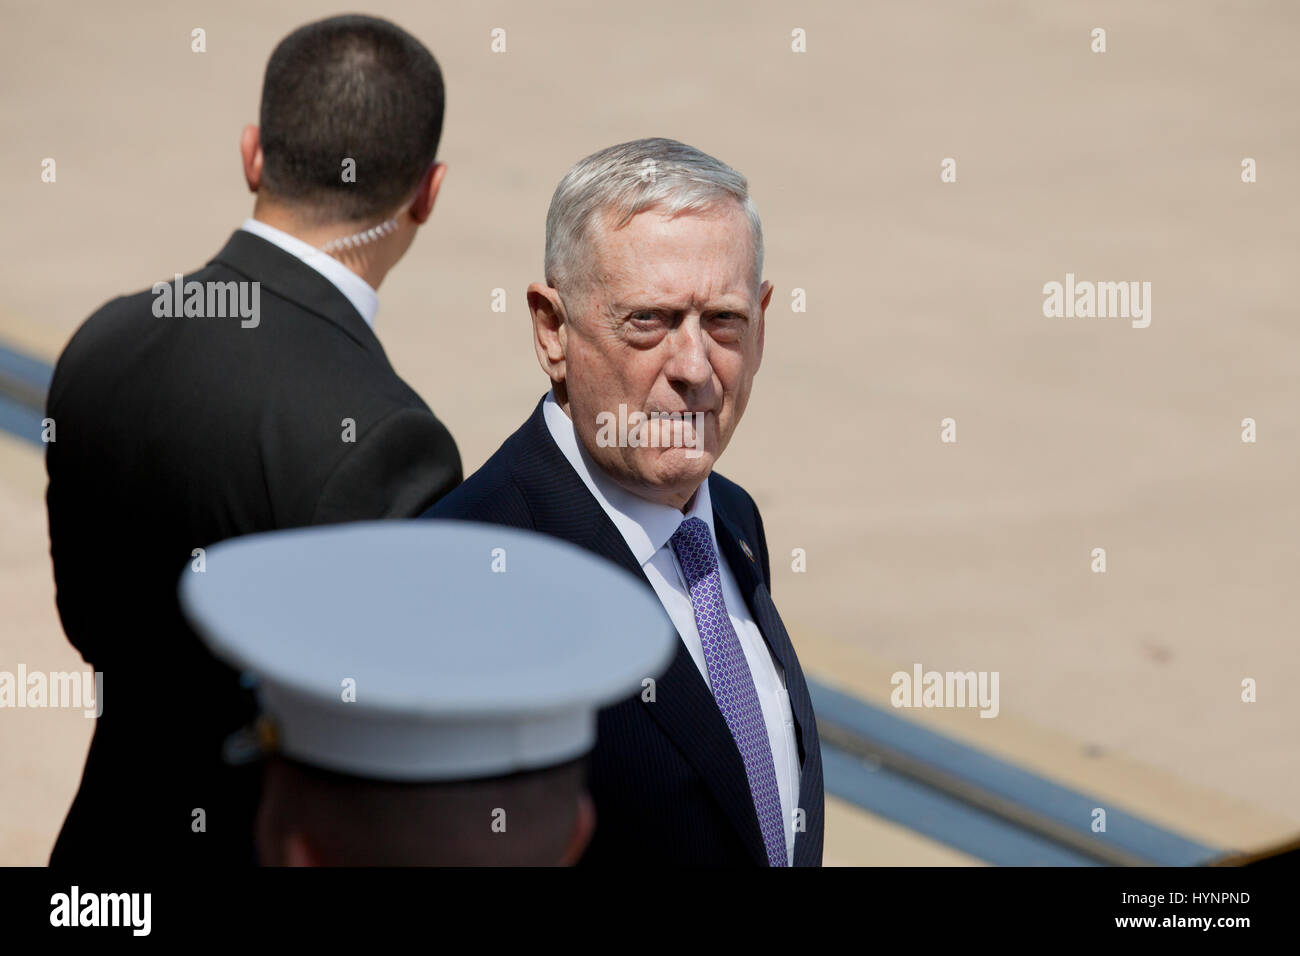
[[701, 252]]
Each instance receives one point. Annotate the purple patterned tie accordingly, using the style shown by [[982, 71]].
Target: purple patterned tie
[[733, 685]]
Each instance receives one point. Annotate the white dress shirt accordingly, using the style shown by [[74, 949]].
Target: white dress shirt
[[646, 526], [358, 290]]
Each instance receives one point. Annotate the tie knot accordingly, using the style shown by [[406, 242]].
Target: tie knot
[[694, 549]]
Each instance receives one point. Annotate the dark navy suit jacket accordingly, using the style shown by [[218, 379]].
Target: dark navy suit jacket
[[176, 433], [666, 776]]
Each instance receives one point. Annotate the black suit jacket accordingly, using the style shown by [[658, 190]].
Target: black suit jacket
[[172, 434], [666, 777]]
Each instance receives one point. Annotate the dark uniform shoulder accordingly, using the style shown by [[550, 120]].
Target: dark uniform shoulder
[[490, 495]]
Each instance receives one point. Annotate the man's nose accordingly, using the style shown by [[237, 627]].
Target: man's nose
[[688, 364]]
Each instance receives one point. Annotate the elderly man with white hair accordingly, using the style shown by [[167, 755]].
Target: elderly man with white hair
[[650, 328]]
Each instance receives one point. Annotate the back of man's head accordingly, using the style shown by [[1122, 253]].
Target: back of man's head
[[348, 88], [316, 818]]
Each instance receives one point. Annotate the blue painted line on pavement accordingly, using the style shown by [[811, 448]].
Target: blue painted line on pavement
[[939, 816], [32, 372], [1069, 808], [21, 420]]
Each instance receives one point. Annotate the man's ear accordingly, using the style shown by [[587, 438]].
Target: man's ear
[[250, 150], [422, 205], [764, 297], [583, 828], [550, 329]]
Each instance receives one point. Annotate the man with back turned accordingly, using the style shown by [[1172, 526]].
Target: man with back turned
[[249, 396]]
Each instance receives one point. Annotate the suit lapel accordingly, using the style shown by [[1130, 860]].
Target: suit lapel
[[750, 580], [684, 707]]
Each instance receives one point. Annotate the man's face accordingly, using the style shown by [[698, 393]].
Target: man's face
[[669, 318]]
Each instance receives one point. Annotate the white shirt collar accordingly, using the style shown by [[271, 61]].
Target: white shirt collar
[[357, 290], [645, 525]]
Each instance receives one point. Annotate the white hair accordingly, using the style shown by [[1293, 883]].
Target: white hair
[[630, 178]]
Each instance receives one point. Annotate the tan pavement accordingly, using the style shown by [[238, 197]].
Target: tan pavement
[[924, 302]]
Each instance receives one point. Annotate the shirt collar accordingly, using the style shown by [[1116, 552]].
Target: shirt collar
[[645, 525], [356, 289]]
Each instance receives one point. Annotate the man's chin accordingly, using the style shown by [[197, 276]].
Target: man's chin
[[679, 468]]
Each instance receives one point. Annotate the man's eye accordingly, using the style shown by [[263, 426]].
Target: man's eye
[[727, 325], [645, 317]]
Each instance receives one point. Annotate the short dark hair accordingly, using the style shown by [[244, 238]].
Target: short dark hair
[[349, 87]]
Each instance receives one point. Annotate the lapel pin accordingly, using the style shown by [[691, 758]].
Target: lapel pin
[[744, 546]]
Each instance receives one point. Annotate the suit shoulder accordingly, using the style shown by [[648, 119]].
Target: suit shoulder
[[490, 495], [98, 332], [106, 319], [401, 466], [120, 318], [734, 500]]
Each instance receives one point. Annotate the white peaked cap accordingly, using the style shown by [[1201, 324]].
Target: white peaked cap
[[459, 670]]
